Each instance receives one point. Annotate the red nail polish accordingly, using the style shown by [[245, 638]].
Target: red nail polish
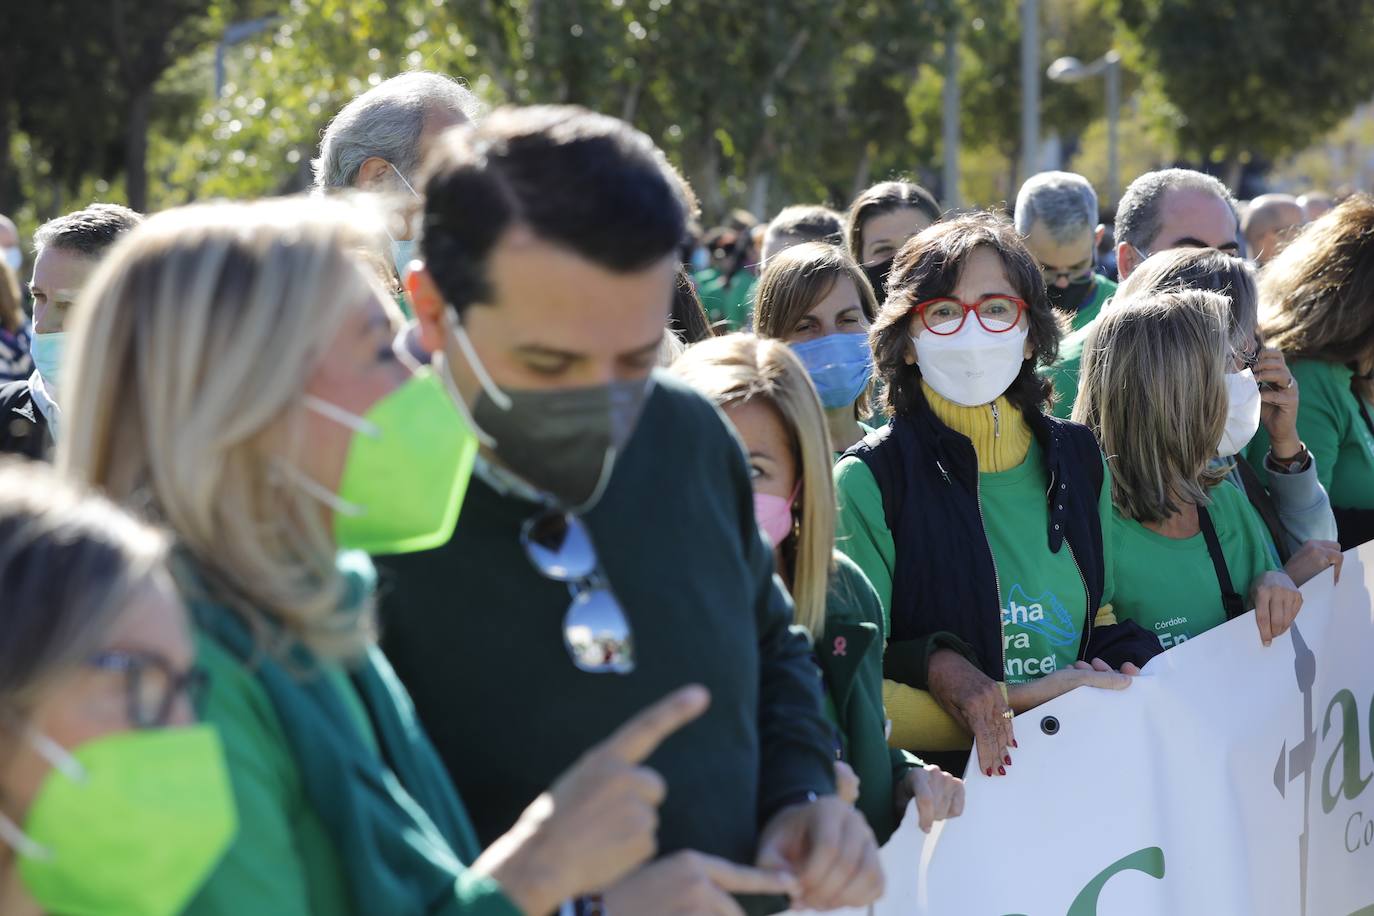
[[1014, 744], [1007, 760], [1001, 771], [989, 771]]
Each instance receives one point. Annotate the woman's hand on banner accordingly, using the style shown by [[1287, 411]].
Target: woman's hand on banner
[[939, 795], [1277, 602], [978, 704]]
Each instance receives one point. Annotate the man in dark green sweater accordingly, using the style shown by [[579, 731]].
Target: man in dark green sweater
[[607, 550]]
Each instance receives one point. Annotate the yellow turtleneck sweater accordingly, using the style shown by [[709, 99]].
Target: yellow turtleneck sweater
[[998, 431]]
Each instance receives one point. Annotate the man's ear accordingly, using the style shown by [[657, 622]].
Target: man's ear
[[1127, 260], [1097, 237], [373, 175], [428, 304]]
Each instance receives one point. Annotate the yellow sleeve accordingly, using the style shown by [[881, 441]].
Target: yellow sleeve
[[919, 723]]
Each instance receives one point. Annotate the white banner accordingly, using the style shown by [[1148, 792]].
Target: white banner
[[1229, 778]]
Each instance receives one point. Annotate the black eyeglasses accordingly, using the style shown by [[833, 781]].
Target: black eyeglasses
[[152, 685], [596, 631]]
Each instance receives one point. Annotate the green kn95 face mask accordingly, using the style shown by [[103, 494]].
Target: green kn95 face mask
[[407, 469], [130, 824]]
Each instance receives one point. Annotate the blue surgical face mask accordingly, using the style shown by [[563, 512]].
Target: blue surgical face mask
[[840, 366], [48, 352], [402, 250]]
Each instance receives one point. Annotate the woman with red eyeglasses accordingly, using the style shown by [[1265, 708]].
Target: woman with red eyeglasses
[[977, 517]]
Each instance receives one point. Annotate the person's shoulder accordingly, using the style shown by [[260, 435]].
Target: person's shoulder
[[674, 405], [852, 596], [851, 473], [15, 394], [235, 701], [1318, 377], [1229, 500]]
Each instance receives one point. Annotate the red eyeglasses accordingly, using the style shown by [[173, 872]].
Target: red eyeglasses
[[946, 315]]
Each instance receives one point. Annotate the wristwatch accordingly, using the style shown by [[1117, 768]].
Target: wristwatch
[[1294, 465]]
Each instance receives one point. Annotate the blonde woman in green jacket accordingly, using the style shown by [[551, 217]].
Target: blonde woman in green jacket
[[235, 379], [767, 395]]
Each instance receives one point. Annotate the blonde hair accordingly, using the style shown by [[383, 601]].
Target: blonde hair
[[738, 368], [192, 345], [1152, 389], [798, 278]]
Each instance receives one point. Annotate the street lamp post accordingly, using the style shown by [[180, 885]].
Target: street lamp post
[[1073, 70]]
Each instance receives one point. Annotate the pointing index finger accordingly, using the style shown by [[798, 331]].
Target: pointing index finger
[[635, 740]]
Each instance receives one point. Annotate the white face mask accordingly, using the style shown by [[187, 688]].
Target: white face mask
[[972, 366], [1242, 412]]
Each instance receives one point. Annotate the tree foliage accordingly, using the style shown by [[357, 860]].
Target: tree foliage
[[1243, 78]]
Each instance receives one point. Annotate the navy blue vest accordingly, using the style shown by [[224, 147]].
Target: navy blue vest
[[944, 578]]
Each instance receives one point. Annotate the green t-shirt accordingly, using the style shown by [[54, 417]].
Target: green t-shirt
[[1169, 585], [1044, 599], [1064, 373], [732, 302], [1330, 425]]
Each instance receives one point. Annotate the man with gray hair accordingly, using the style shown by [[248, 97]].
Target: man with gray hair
[[378, 141], [1170, 208], [1270, 222], [1056, 215], [1174, 208]]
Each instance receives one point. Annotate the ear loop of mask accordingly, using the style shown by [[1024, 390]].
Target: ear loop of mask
[[442, 366], [62, 761], [309, 485], [403, 181]]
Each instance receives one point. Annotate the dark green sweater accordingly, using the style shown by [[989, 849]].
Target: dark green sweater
[[475, 633]]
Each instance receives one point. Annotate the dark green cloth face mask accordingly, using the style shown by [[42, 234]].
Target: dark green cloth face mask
[[563, 442]]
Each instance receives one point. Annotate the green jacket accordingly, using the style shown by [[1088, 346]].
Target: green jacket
[[1064, 373], [343, 806], [850, 655]]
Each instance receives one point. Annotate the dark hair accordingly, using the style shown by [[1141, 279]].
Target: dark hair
[[885, 197], [688, 318], [928, 267], [808, 223], [587, 182], [89, 232], [70, 561]]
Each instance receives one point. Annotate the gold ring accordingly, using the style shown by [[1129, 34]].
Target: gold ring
[[1007, 714]]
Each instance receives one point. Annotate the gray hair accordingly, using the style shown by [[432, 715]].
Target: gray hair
[[1152, 390], [1138, 221], [1064, 201], [70, 563], [386, 122]]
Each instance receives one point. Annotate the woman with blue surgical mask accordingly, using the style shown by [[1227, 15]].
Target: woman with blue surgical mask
[[112, 799], [978, 518], [814, 297], [234, 376]]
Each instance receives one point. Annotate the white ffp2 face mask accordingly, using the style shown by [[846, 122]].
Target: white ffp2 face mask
[[1242, 412], [973, 366]]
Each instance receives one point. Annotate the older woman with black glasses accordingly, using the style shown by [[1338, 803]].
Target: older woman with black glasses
[[112, 799], [979, 519]]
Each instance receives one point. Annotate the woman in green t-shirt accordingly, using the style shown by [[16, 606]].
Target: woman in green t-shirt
[[764, 391], [1317, 311], [814, 297], [1187, 545]]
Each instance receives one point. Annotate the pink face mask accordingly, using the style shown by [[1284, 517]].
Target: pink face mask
[[774, 515]]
